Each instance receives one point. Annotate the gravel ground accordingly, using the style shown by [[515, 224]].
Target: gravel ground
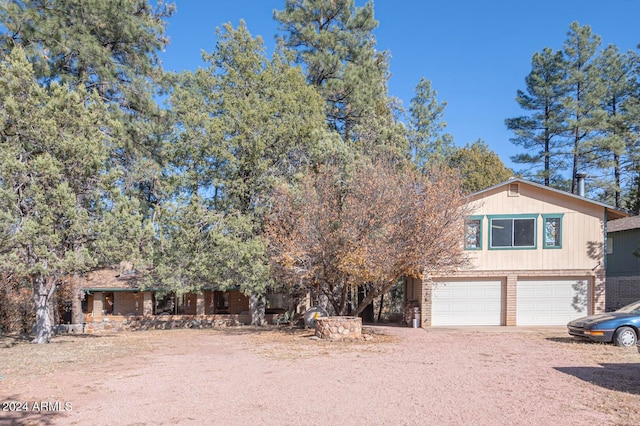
[[239, 376]]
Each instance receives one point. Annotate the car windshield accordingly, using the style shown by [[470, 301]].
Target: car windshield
[[633, 308]]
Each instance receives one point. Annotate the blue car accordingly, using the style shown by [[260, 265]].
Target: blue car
[[620, 327]]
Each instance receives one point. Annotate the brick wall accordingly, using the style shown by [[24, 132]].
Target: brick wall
[[238, 302], [509, 302], [125, 303], [425, 305], [621, 291], [598, 288]]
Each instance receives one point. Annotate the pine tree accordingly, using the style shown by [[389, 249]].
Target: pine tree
[[427, 141], [540, 132], [60, 209], [585, 91], [334, 42], [110, 46], [617, 142], [106, 48], [245, 123]]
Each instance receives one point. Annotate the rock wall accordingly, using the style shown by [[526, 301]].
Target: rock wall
[[339, 328]]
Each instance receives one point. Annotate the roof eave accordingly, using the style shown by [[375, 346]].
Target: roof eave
[[615, 213]]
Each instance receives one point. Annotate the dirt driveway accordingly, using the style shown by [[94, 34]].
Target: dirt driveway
[[404, 376]]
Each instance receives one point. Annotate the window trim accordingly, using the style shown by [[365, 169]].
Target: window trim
[[533, 216], [469, 218], [544, 223]]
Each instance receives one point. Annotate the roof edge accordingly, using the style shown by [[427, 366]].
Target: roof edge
[[618, 212]]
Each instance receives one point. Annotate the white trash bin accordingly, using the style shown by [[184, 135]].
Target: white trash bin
[[416, 317]]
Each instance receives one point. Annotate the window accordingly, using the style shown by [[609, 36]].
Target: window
[[512, 231], [552, 233], [221, 300], [277, 302], [473, 233], [610, 245]]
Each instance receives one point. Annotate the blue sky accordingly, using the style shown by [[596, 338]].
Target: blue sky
[[476, 53]]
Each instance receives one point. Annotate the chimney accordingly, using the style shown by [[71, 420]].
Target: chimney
[[580, 177]]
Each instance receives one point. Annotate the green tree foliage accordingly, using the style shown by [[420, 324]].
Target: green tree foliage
[[616, 147], [585, 91], [60, 211], [102, 45], [583, 102], [478, 166], [108, 49], [633, 201], [334, 42], [427, 142], [245, 123], [540, 133], [110, 46], [201, 248]]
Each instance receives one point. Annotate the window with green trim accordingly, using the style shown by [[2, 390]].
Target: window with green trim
[[518, 231], [473, 233], [552, 232]]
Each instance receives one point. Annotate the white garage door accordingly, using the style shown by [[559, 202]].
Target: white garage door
[[551, 302], [467, 303]]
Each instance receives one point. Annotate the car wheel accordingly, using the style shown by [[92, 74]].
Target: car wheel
[[625, 336]]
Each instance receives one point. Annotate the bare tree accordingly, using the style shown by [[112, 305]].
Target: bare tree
[[339, 231]]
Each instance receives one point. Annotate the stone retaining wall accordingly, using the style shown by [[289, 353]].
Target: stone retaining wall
[[339, 328], [158, 322], [164, 322]]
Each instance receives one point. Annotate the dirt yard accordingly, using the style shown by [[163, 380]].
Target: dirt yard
[[239, 376]]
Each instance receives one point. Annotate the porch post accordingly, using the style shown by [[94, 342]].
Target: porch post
[[200, 303], [147, 303], [98, 304]]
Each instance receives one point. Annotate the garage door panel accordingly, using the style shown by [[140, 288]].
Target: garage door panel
[[551, 302], [464, 319], [467, 303]]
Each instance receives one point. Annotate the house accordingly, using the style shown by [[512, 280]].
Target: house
[[112, 297], [537, 258], [623, 262]]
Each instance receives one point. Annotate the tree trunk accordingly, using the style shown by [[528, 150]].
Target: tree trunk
[[616, 173], [367, 313], [547, 155], [574, 169], [380, 308], [77, 316], [341, 305], [257, 305], [366, 301], [41, 297]]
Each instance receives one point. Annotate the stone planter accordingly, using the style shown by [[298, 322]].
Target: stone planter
[[339, 328]]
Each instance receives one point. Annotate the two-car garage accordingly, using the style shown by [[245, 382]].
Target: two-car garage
[[538, 301], [536, 256]]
